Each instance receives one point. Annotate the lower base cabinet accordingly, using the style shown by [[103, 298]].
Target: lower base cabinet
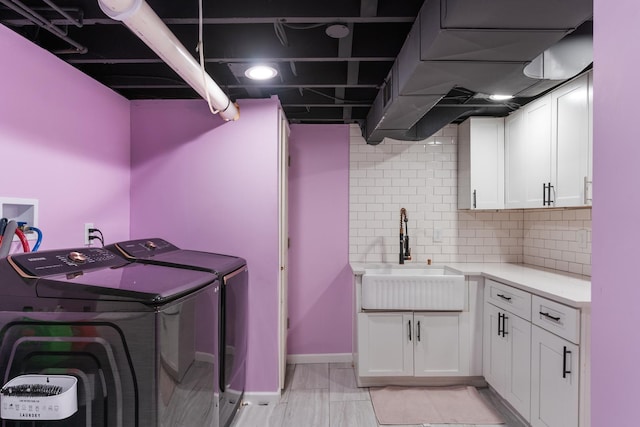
[[412, 344], [507, 356], [554, 380]]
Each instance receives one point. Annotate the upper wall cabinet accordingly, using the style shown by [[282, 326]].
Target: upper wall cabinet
[[548, 149], [481, 163], [570, 123]]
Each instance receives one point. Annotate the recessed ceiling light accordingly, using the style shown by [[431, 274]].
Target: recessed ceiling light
[[499, 97], [261, 72]]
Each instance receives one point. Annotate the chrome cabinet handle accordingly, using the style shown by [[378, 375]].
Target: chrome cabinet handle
[[587, 199], [418, 331], [409, 330]]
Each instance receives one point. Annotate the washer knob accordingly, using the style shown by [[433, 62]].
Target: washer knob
[[77, 257], [150, 245]]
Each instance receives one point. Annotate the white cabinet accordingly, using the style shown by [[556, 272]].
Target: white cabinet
[[528, 155], [548, 149], [570, 124], [515, 156], [537, 166], [385, 344], [507, 356], [481, 163], [588, 184], [412, 344], [439, 345], [554, 380], [532, 356]]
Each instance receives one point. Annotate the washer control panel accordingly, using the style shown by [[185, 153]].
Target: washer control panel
[[66, 261]]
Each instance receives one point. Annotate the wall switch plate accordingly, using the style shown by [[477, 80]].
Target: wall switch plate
[[581, 238], [437, 235]]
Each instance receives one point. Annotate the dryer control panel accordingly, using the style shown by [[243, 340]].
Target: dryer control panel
[[65, 261], [144, 248]]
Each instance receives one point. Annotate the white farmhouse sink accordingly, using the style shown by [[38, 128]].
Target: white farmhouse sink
[[438, 288]]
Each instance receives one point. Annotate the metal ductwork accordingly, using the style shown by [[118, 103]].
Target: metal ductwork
[[482, 46]]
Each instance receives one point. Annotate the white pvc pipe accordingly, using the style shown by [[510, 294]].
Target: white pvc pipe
[[138, 16]]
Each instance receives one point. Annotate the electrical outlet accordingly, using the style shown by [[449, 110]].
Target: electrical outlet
[[87, 227]]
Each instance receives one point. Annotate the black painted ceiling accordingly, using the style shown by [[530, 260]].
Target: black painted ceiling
[[322, 79]]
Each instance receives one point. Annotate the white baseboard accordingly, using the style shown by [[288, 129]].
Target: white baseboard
[[261, 398], [320, 358]]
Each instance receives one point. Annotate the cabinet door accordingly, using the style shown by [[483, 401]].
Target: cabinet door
[[439, 345], [481, 163], [538, 151], [518, 378], [589, 182], [487, 162], [385, 344], [570, 124], [554, 381], [494, 349], [515, 157]]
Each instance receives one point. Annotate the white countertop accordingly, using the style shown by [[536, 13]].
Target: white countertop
[[570, 289]]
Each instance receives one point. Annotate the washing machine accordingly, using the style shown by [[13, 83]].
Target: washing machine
[[141, 340], [233, 275]]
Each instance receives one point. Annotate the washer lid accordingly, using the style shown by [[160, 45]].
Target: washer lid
[[97, 274]]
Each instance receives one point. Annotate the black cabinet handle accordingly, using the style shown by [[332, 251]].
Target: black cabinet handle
[[409, 330], [565, 352], [550, 316], [418, 332], [546, 194], [474, 199], [504, 297], [504, 325]]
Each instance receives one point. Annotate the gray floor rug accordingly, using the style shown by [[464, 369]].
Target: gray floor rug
[[435, 405]]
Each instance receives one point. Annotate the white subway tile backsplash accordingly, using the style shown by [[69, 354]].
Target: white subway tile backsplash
[[423, 179]]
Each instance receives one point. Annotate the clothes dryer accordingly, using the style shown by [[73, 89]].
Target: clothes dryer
[[233, 276]]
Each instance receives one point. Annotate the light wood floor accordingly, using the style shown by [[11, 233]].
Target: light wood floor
[[325, 395]]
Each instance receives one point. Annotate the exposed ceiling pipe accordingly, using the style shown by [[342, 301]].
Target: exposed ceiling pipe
[[34, 17], [138, 16]]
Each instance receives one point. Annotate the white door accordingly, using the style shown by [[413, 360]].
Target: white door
[[437, 345], [494, 358], [487, 163], [554, 381], [515, 158], [283, 241], [385, 344], [538, 148], [518, 385], [570, 124]]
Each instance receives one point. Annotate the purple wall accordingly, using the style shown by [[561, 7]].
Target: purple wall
[[320, 290], [207, 185], [65, 141], [615, 348]]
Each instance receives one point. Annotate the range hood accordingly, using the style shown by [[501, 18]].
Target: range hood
[[480, 46]]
